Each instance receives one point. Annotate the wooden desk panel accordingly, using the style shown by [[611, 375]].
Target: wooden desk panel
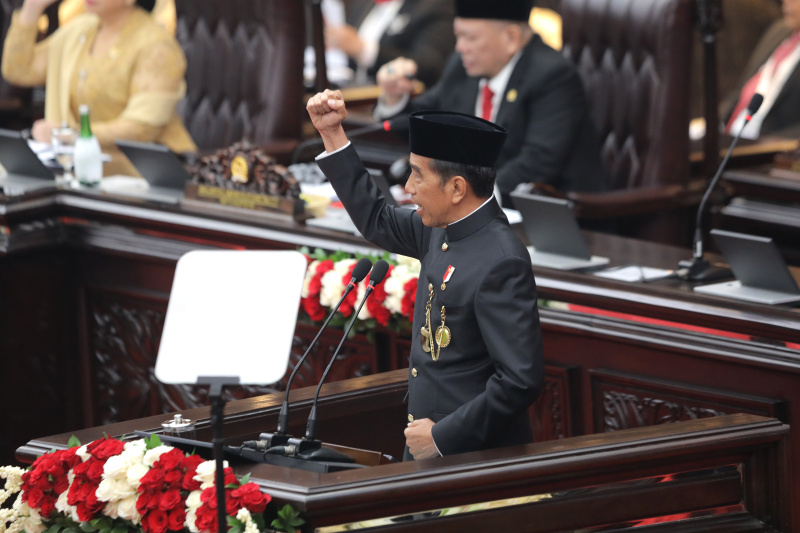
[[720, 472]]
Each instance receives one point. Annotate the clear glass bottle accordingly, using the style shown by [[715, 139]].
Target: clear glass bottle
[[88, 162]]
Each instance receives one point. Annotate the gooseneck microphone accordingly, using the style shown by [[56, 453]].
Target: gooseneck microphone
[[391, 124], [699, 269], [375, 278], [280, 438]]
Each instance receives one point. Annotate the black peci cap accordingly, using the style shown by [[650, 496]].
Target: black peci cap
[[518, 10], [455, 137]]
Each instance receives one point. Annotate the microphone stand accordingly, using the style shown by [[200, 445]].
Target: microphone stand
[[311, 425], [698, 268], [385, 125], [280, 437]]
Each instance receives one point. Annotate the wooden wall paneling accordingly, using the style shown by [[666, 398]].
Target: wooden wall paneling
[[39, 388], [554, 414], [622, 400]]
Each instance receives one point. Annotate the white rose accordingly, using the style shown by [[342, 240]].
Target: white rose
[[310, 271], [205, 473], [116, 466], [110, 510], [135, 447], [127, 509], [395, 293], [412, 263], [82, 453], [135, 473], [193, 499], [332, 284], [364, 314]]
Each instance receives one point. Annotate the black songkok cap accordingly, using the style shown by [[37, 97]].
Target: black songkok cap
[[455, 137], [519, 10]]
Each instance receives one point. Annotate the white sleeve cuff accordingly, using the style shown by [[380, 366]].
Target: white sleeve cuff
[[435, 446], [323, 155]]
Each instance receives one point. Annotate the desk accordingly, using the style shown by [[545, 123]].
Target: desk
[[764, 203], [88, 277]]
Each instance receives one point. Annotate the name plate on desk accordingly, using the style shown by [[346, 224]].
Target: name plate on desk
[[304, 207]]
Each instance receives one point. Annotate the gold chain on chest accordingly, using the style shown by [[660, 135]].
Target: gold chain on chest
[[442, 338]]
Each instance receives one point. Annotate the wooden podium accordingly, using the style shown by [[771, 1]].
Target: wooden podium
[[728, 473]]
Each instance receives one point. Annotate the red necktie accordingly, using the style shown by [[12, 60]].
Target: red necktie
[[781, 52], [487, 103]]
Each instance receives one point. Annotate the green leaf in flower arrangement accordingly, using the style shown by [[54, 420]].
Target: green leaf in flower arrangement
[[121, 529], [288, 519], [153, 441], [246, 479], [73, 441], [53, 529], [88, 527]]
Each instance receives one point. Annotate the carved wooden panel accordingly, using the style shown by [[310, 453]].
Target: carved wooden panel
[[551, 414], [358, 356], [622, 401], [124, 331]]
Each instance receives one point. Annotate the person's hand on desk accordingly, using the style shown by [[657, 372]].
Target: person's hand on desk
[[419, 439], [41, 131], [396, 79]]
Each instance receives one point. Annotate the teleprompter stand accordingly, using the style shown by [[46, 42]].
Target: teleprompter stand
[[216, 384]]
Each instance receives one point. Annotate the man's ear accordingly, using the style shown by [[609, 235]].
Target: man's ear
[[459, 188]]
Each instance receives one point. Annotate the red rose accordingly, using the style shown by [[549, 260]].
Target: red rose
[[189, 483], [206, 519], [96, 471], [104, 448], [153, 478], [349, 302], [313, 308], [169, 460], [409, 299], [60, 484], [176, 519], [171, 499], [35, 497], [252, 498], [48, 505], [156, 522], [209, 497], [173, 478], [141, 502]]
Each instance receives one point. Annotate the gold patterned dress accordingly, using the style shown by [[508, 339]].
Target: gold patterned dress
[[132, 90]]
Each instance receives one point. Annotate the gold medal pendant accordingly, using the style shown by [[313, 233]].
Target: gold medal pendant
[[442, 336]]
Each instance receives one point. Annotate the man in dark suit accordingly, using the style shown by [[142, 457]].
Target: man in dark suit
[[773, 71], [503, 72], [476, 360], [378, 31]]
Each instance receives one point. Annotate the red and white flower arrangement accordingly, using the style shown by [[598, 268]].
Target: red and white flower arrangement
[[111, 486], [391, 304]]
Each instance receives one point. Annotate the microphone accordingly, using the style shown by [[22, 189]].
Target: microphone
[[375, 278], [392, 124], [280, 438], [699, 269]]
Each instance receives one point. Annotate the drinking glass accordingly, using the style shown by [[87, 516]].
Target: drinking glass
[[63, 141]]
